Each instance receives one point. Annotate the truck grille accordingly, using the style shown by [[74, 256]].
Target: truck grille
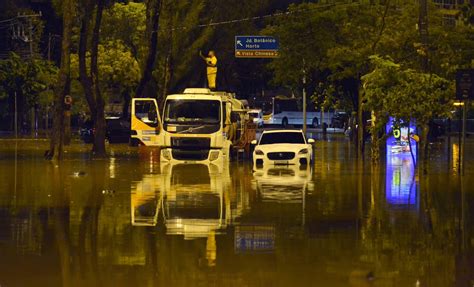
[[281, 155], [191, 143], [190, 148]]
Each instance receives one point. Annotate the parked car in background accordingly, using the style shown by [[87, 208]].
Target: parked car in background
[[257, 117], [339, 120], [282, 147], [117, 130]]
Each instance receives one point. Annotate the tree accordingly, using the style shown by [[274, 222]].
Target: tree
[[90, 79], [153, 9], [119, 72], [305, 39], [126, 22], [406, 95], [25, 81], [63, 84]]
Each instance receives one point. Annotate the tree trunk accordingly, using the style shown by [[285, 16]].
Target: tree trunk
[[32, 121], [360, 128], [90, 83], [424, 148], [63, 86], [154, 6], [127, 99], [83, 75], [375, 135], [67, 127], [168, 75], [99, 123]]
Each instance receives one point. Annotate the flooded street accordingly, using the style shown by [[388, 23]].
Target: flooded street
[[129, 221]]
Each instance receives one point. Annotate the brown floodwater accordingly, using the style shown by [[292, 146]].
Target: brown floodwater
[[130, 221]]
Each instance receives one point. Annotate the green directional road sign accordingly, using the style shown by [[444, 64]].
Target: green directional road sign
[[256, 47]]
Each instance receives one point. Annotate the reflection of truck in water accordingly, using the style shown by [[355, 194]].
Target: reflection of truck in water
[[193, 199], [197, 126]]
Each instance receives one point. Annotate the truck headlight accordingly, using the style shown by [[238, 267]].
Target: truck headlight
[[166, 154], [259, 152], [303, 151], [214, 155]]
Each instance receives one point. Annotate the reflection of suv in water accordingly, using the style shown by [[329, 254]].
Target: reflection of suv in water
[[117, 131]]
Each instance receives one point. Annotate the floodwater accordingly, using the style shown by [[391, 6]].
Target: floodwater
[[129, 221]]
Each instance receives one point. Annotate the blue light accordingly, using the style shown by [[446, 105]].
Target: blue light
[[400, 172]]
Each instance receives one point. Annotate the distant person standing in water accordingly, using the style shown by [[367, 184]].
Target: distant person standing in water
[[211, 62]]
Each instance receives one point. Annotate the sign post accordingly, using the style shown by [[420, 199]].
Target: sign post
[[464, 92], [256, 47]]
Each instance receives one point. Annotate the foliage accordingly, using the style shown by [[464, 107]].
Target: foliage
[[336, 44], [125, 23], [27, 78], [119, 71], [404, 93], [305, 39]]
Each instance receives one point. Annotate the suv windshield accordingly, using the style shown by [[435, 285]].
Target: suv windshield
[[282, 138], [192, 111]]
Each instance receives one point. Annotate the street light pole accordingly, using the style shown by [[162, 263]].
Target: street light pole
[[304, 97], [423, 26], [463, 139], [16, 118]]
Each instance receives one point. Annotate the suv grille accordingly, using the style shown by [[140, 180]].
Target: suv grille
[[281, 155]]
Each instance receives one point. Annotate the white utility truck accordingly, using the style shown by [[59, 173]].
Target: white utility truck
[[197, 125]]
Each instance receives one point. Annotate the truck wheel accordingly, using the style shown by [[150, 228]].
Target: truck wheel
[[284, 122], [315, 122]]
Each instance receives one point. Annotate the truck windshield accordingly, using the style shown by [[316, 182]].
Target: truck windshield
[[192, 111], [282, 138]]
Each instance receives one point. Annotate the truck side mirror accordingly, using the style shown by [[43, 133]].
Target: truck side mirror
[[234, 117], [152, 116]]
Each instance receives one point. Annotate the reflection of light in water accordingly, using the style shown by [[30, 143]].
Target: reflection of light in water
[[455, 157], [151, 162], [400, 180], [146, 200], [254, 238], [112, 167], [401, 186], [211, 249]]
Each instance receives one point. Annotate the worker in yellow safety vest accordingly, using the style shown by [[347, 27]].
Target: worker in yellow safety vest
[[211, 62]]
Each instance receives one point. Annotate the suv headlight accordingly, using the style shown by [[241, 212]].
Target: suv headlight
[[259, 152], [303, 151]]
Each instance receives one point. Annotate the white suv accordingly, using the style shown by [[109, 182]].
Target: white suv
[[283, 147]]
